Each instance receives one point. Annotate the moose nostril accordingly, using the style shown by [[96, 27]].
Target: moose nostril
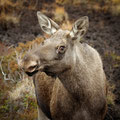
[[32, 67]]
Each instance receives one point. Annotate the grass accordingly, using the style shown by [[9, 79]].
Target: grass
[[9, 63], [10, 10], [17, 97], [111, 96], [112, 6], [114, 57]]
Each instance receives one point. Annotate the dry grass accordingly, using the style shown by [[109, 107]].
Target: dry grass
[[61, 16], [10, 12], [17, 99], [112, 6], [6, 18], [22, 87], [111, 97]]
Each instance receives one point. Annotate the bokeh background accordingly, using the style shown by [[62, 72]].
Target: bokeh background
[[19, 31]]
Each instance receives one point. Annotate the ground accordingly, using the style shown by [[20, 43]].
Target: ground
[[103, 34]]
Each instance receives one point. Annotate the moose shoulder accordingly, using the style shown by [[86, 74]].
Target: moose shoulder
[[79, 90]]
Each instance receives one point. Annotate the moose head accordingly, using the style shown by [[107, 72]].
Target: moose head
[[57, 53]]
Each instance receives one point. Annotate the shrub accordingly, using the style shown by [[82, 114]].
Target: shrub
[[9, 63], [17, 97]]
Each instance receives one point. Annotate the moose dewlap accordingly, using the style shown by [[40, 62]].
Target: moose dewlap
[[75, 88]]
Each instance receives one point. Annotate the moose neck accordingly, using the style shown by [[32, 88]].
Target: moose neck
[[76, 80]]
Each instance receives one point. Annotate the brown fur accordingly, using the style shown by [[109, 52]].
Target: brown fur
[[79, 90], [43, 88]]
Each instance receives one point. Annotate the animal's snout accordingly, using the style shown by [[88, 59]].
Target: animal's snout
[[31, 68]]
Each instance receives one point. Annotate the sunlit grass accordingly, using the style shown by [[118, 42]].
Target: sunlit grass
[[10, 11], [112, 6], [7, 18]]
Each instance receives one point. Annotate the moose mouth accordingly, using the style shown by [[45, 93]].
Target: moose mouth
[[49, 73], [46, 70], [31, 73]]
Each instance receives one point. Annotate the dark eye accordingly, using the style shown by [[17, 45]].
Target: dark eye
[[61, 49]]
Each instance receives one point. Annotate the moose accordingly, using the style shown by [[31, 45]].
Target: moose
[[76, 85]]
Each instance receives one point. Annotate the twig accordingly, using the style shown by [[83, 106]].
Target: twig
[[13, 77], [3, 73]]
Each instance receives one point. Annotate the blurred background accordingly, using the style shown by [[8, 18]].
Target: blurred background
[[19, 30]]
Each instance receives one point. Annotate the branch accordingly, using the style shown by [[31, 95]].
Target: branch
[[3, 73]]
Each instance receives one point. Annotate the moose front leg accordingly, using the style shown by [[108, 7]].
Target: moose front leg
[[41, 115]]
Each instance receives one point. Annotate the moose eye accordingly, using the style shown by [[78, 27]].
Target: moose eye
[[61, 49]]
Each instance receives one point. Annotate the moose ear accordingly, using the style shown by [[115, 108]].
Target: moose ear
[[46, 24], [79, 28]]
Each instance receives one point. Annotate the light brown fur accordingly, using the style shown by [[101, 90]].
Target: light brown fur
[[77, 88]]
